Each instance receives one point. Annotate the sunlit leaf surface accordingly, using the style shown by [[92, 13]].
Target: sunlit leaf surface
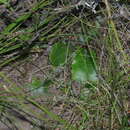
[[82, 67]]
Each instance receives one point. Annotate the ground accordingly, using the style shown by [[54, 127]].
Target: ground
[[37, 95]]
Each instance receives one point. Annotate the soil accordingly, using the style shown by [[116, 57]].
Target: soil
[[37, 64]]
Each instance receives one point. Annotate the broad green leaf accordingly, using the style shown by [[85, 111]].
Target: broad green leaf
[[39, 87], [83, 69], [3, 1], [58, 54]]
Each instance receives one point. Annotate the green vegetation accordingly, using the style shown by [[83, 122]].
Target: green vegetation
[[64, 71]]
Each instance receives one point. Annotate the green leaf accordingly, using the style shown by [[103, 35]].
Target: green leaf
[[3, 1], [83, 69], [58, 54], [39, 87]]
